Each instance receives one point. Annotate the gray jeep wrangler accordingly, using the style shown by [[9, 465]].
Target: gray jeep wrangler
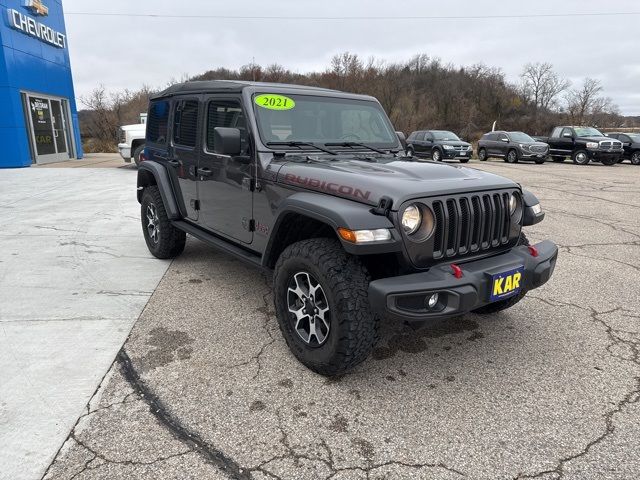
[[313, 185]]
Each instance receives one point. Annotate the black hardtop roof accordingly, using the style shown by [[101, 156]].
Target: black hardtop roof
[[237, 86]]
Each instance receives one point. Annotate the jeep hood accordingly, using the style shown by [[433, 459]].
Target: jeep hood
[[401, 180]]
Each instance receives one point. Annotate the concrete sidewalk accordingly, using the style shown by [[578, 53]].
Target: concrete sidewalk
[[75, 274]]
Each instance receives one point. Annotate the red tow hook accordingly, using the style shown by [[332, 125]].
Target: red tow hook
[[457, 271], [533, 251]]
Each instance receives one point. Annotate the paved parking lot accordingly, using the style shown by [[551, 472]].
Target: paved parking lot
[[205, 386]]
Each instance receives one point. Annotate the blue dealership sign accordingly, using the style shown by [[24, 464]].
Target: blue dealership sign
[[38, 116]]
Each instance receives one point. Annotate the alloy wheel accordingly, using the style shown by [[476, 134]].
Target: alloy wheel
[[309, 309], [635, 158], [582, 158], [436, 155], [153, 223]]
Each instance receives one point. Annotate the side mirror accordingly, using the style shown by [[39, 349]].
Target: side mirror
[[567, 135], [403, 139], [505, 140], [226, 141]]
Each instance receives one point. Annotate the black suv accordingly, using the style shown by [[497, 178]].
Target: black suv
[[630, 144], [312, 185], [512, 147], [438, 144]]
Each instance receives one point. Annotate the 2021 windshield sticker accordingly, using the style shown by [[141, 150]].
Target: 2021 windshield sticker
[[272, 101]]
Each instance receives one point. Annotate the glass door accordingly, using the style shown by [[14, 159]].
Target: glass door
[[48, 129]]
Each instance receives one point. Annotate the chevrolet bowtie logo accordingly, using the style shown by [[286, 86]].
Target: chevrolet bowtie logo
[[37, 7]]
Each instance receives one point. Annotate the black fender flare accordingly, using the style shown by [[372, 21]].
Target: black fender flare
[[531, 217], [153, 170], [336, 212]]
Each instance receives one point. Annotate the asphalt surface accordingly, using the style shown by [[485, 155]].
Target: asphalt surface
[[205, 387]]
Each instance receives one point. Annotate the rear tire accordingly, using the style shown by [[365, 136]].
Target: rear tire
[[580, 157], [321, 265], [163, 239], [496, 307], [482, 155]]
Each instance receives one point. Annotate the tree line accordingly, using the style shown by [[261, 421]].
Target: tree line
[[421, 93]]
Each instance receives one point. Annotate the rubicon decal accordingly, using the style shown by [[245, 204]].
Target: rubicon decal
[[328, 187]]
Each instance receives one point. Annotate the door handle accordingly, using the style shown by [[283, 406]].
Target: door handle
[[205, 172], [174, 163]]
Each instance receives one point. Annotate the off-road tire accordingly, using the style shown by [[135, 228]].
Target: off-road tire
[[558, 159], [496, 307], [482, 155], [577, 156], [512, 156], [170, 241], [436, 153], [635, 157], [345, 281], [137, 152]]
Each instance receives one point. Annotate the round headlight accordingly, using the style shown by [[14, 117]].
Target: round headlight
[[513, 204], [411, 219]]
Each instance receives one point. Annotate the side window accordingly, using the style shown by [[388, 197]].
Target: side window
[[566, 131], [420, 136], [428, 136], [623, 138], [226, 113], [157, 122], [503, 137], [556, 132], [185, 123]]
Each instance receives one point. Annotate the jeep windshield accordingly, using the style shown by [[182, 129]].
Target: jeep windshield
[[306, 121], [445, 136], [588, 132]]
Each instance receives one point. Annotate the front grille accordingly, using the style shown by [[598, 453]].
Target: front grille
[[470, 224], [539, 148], [610, 145], [461, 148]]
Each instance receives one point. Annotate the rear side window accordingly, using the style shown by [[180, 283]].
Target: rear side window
[[185, 123], [556, 132], [225, 113], [157, 122]]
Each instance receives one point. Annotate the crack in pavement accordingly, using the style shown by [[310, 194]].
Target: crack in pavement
[[629, 398]]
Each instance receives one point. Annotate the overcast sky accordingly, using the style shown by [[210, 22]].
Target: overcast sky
[[127, 52]]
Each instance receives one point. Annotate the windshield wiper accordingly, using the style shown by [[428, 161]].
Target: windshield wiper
[[354, 144], [300, 145]]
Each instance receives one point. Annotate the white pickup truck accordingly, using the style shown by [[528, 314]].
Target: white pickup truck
[[132, 139]]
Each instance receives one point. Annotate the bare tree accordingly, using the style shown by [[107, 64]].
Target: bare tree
[[541, 85], [581, 102]]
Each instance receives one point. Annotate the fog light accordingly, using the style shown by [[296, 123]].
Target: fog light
[[433, 300]]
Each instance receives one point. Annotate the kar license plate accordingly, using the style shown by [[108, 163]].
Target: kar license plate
[[506, 284]]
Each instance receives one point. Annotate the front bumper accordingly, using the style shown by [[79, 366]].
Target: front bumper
[[598, 155], [403, 297], [125, 151], [457, 154], [529, 155]]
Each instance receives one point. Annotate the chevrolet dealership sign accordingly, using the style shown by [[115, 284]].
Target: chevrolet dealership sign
[[33, 28]]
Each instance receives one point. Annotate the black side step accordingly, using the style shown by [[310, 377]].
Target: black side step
[[219, 243]]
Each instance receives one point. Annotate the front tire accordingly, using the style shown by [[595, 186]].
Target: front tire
[[482, 155], [137, 154], [436, 155], [410, 152], [512, 156], [322, 305], [635, 157], [580, 157], [498, 306], [163, 239]]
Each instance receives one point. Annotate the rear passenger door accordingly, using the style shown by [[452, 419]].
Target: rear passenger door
[[502, 144], [183, 152], [428, 143], [418, 143], [225, 182]]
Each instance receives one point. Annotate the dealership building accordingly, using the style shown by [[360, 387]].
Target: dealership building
[[38, 116]]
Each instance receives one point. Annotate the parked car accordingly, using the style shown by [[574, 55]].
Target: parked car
[[512, 147], [313, 185], [132, 142], [630, 144], [439, 145], [582, 144]]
